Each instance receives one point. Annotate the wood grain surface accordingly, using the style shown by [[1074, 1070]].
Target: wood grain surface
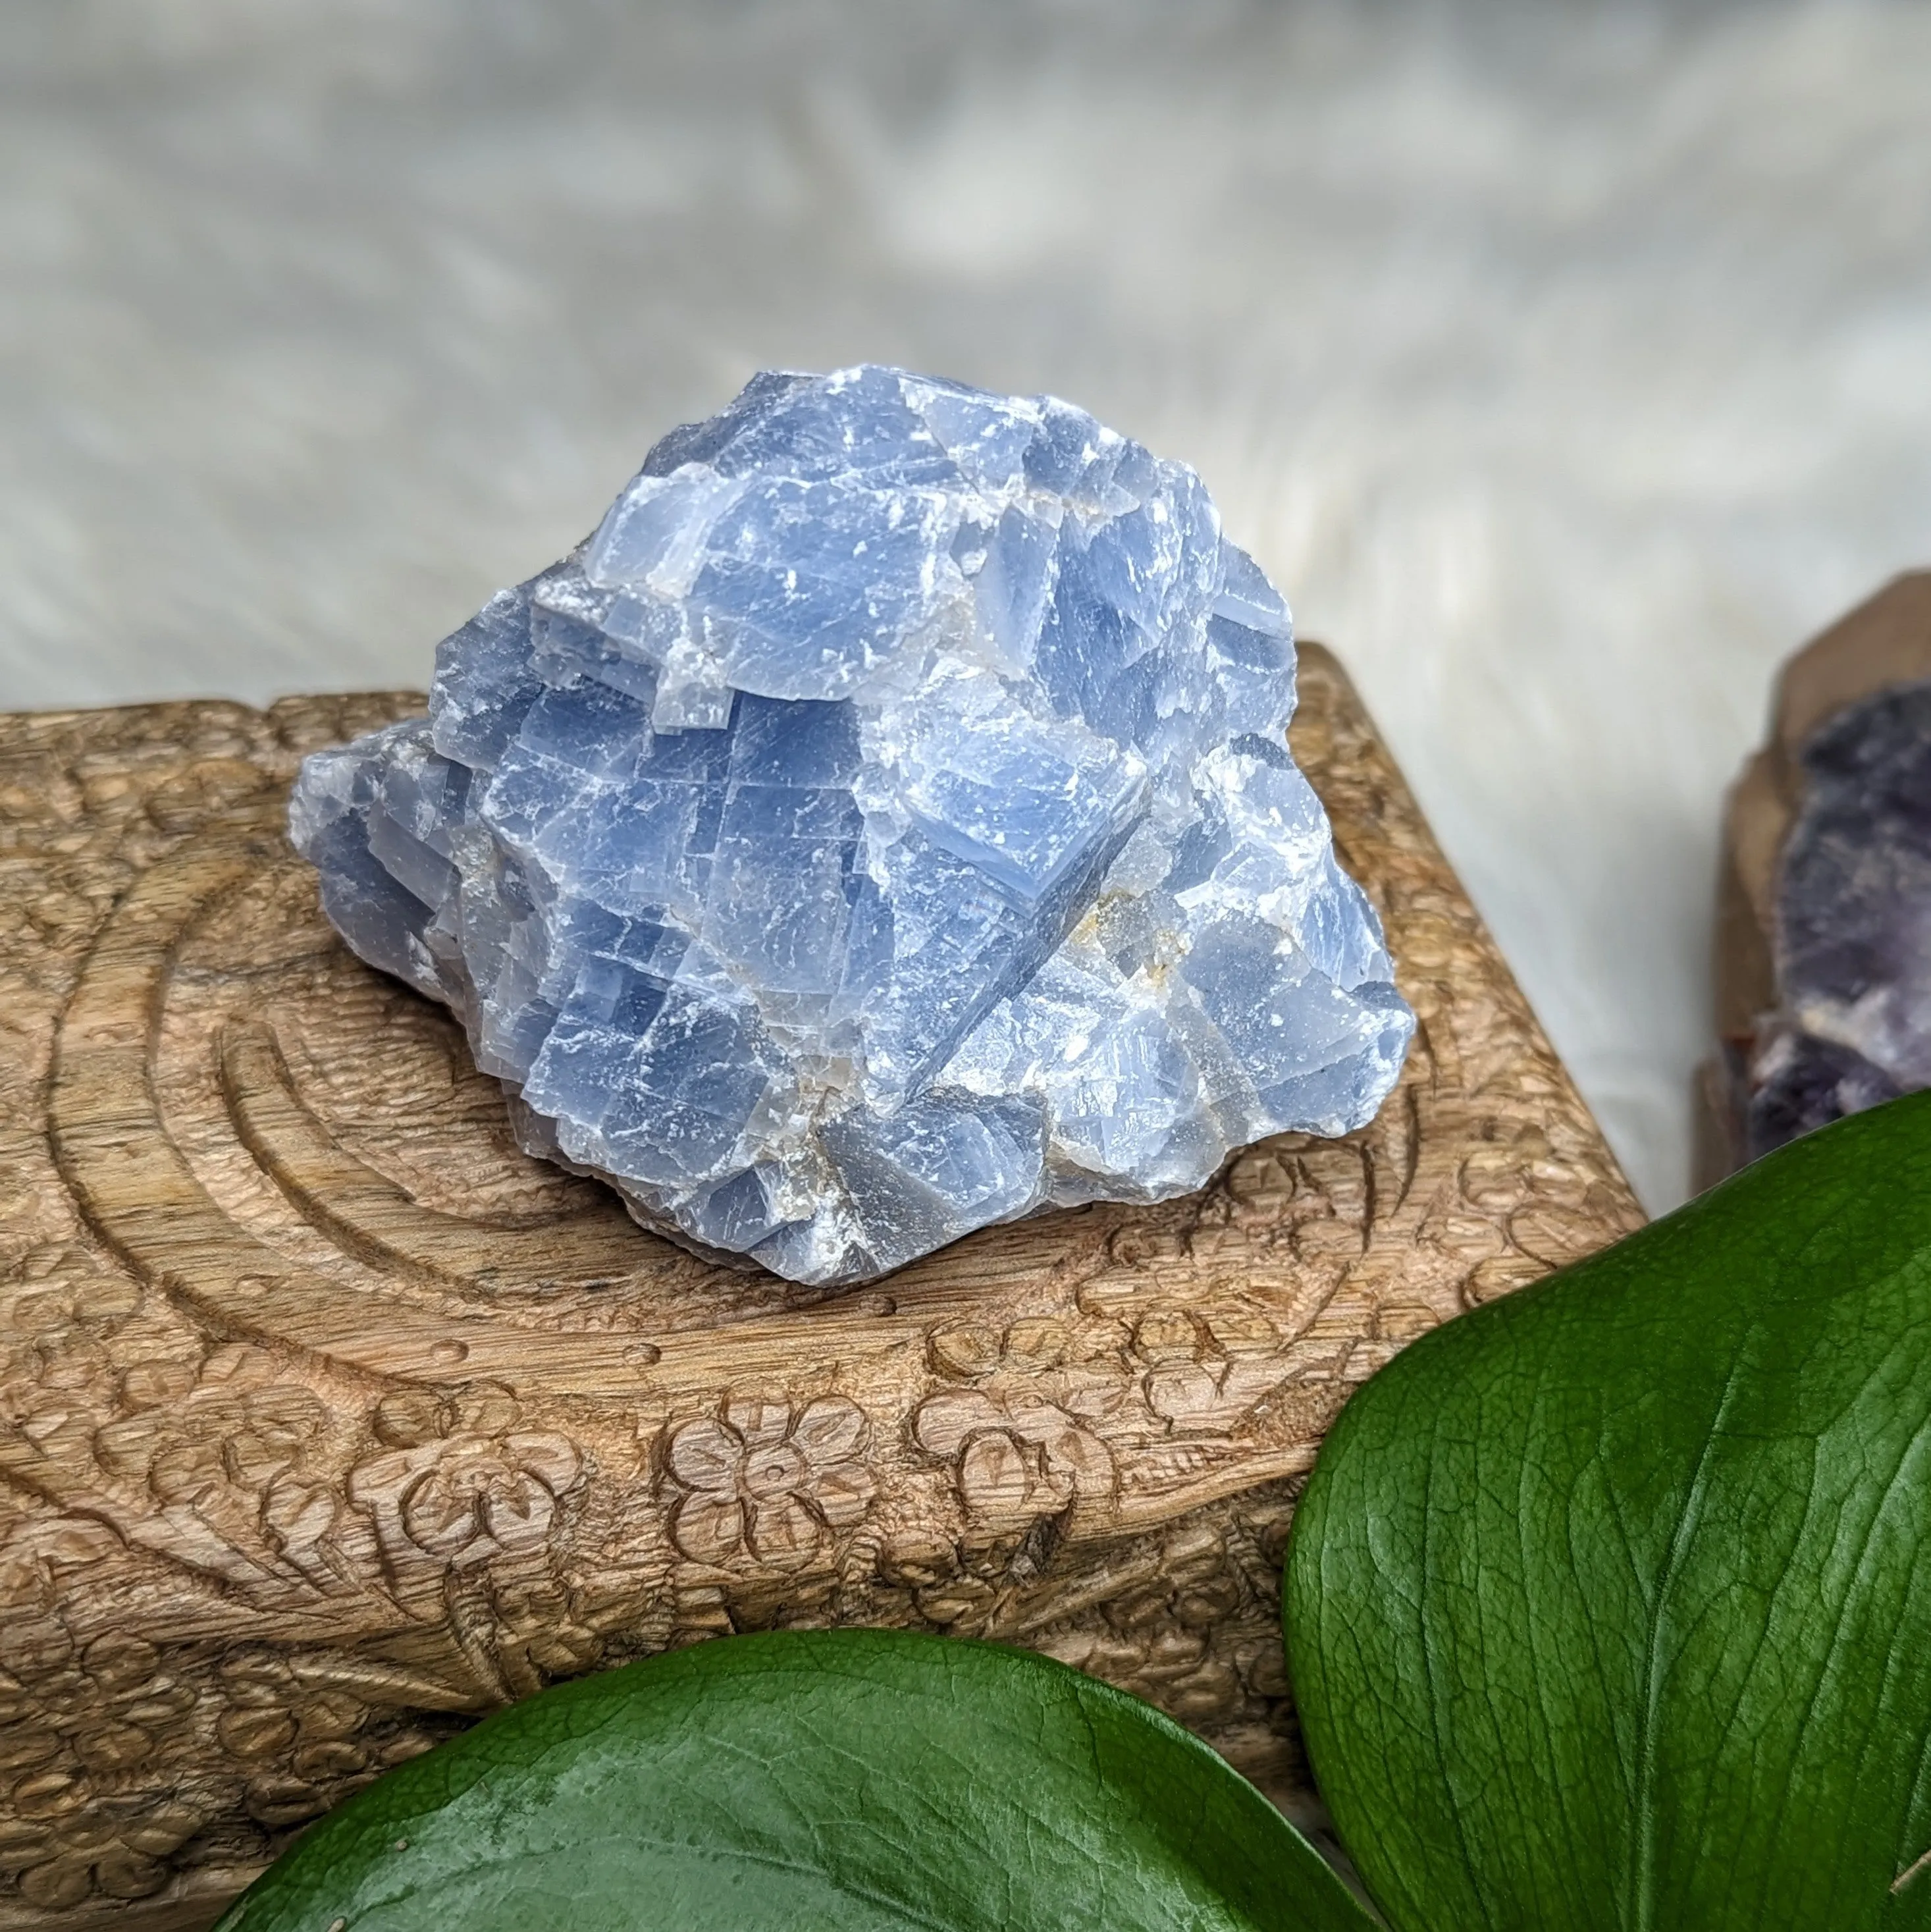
[[328, 1420]]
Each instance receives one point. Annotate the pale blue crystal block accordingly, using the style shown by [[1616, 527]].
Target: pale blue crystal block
[[881, 826]]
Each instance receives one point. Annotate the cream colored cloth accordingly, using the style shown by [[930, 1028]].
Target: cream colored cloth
[[1566, 366]]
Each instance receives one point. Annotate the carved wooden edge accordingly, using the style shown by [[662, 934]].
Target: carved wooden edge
[[256, 1541]]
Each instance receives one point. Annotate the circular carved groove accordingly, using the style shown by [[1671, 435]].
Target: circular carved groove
[[601, 1283], [140, 1191]]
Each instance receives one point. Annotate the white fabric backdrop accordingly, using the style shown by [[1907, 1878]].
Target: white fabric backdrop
[[1566, 364]]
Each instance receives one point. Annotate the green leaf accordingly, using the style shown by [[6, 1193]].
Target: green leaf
[[1609, 1605], [854, 1780]]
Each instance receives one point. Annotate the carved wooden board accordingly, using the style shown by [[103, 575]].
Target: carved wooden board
[[328, 1420]]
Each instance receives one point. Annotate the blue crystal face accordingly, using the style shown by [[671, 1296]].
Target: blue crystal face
[[881, 826]]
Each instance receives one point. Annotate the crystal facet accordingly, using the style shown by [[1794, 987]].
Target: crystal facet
[[881, 826]]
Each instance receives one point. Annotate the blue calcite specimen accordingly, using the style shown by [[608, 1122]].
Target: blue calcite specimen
[[882, 826], [1853, 937]]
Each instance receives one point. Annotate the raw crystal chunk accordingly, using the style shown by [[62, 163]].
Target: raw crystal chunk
[[1853, 926], [881, 826], [1823, 957]]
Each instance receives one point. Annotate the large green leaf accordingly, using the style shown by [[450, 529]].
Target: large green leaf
[[1609, 1606], [849, 1780]]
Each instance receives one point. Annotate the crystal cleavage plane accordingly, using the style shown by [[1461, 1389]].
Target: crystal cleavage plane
[[882, 826]]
